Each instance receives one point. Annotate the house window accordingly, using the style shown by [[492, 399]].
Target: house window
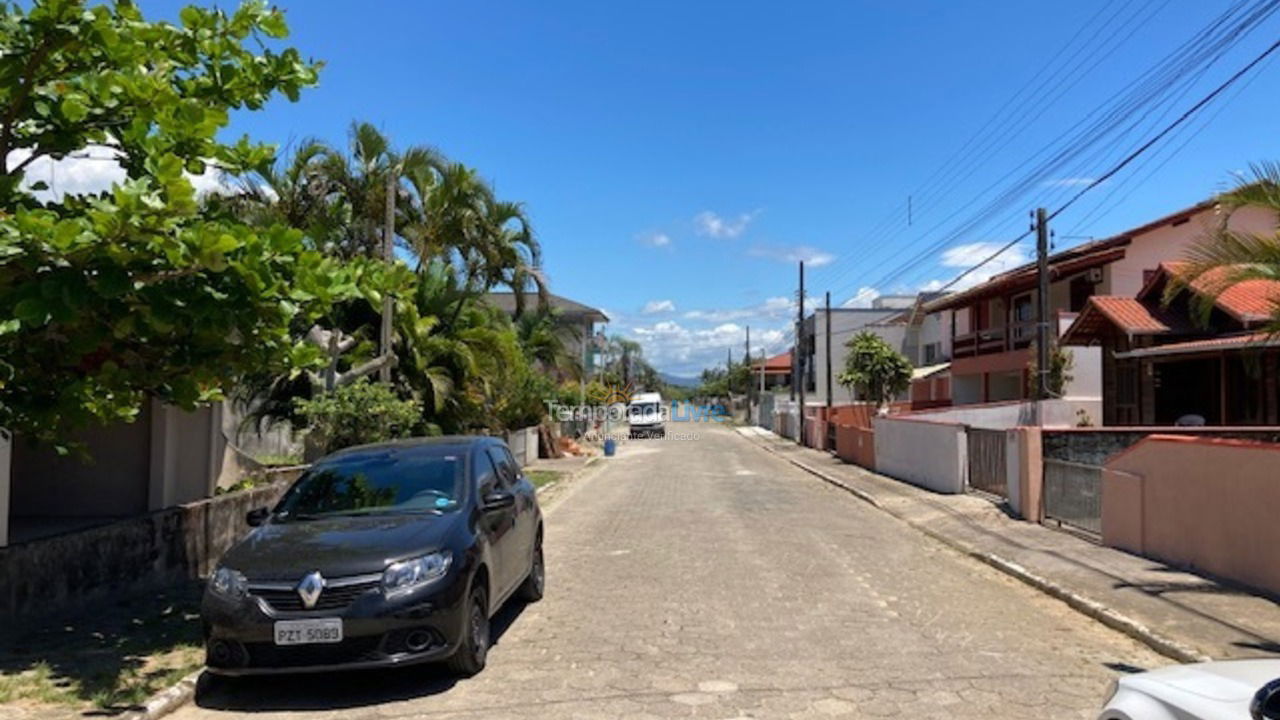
[[932, 352], [1023, 317], [1081, 290]]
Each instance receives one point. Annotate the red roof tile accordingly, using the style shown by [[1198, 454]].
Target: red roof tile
[[1128, 315], [780, 363], [1133, 317], [1247, 301]]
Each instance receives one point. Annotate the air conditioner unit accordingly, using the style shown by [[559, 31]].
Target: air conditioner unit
[[1094, 275]]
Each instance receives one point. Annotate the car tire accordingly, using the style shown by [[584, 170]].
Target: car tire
[[535, 582], [472, 652]]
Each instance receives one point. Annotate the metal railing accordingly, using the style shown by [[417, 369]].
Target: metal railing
[[1073, 495]]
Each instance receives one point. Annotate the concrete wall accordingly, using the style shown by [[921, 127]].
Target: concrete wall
[[524, 444], [856, 445], [1168, 498], [112, 482], [80, 568], [1086, 376], [933, 455], [1000, 416]]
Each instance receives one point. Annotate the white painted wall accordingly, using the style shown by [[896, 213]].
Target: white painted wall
[[928, 454], [1086, 374], [1057, 413], [844, 325], [935, 328]]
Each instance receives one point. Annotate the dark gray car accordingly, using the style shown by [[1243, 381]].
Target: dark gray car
[[379, 555]]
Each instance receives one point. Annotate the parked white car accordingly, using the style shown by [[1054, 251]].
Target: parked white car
[[1229, 690]]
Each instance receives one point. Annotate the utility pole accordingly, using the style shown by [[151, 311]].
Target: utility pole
[[829, 387], [801, 352], [388, 234], [1042, 305], [746, 363]]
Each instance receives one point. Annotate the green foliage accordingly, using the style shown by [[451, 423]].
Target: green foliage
[[1224, 257], [875, 370], [140, 291], [356, 414], [1061, 361], [736, 379]]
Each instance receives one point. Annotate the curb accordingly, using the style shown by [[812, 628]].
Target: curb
[[1086, 606], [167, 700]]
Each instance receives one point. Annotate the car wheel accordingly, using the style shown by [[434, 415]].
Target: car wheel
[[470, 656], [535, 583]]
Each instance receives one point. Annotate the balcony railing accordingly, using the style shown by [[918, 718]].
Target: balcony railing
[[994, 340]]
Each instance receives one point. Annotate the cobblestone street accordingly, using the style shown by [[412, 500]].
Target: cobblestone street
[[706, 578]]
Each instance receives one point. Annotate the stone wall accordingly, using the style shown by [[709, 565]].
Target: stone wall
[[1092, 446], [180, 542]]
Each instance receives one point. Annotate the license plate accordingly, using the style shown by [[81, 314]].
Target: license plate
[[307, 632]]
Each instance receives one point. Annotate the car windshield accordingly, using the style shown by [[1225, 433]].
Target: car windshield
[[377, 483], [644, 409]]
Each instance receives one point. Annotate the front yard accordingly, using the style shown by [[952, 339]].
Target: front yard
[[102, 662]]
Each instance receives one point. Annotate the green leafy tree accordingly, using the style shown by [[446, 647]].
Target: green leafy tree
[[141, 290], [355, 414], [875, 370]]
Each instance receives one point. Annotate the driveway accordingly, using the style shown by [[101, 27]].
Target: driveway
[[706, 578]]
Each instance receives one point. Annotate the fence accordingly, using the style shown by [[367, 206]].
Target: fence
[[987, 461], [1073, 495]]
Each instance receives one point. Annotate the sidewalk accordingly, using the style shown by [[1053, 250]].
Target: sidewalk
[[1182, 615]]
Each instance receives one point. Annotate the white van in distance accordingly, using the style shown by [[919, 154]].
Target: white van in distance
[[645, 415]]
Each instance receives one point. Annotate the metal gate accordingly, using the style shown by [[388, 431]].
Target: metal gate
[[987, 465], [1073, 495]]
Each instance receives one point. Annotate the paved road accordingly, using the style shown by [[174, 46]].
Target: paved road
[[709, 579]]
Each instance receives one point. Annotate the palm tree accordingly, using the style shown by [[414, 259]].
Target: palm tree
[[543, 335], [1227, 257]]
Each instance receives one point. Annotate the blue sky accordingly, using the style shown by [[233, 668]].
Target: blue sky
[[678, 157]]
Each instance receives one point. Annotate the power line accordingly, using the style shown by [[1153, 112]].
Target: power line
[[1205, 47]]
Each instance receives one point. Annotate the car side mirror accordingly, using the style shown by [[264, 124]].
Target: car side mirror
[[1266, 702], [498, 500], [257, 516]]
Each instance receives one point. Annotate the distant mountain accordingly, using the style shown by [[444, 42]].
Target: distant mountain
[[679, 380]]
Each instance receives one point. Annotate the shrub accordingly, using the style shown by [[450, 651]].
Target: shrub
[[355, 414]]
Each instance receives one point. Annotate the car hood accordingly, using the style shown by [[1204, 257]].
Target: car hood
[[338, 546], [1232, 681]]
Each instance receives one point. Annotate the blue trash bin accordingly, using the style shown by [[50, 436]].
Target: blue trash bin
[[609, 447]]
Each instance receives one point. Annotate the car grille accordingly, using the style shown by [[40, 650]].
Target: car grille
[[331, 598], [350, 650]]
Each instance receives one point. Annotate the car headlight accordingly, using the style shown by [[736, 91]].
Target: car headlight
[[409, 575], [228, 583]]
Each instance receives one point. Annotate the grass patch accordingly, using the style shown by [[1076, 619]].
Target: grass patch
[[543, 477], [108, 660]]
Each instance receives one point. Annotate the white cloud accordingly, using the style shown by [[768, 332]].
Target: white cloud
[[862, 299], [94, 170], [773, 308], [967, 256], [1068, 182], [656, 239], [792, 254], [654, 307], [712, 225], [682, 350]]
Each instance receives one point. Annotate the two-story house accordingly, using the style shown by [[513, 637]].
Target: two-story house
[[993, 325]]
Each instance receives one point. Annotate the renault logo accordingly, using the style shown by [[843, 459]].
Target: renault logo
[[309, 589]]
